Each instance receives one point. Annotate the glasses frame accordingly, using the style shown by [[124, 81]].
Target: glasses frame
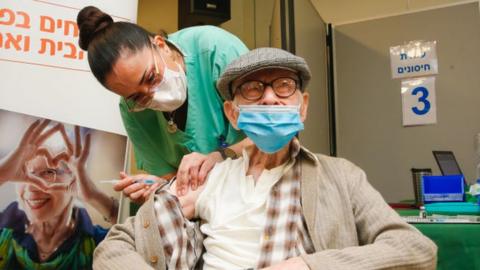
[[265, 85], [157, 74], [57, 172]]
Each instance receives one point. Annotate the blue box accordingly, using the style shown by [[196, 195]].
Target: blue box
[[446, 188]]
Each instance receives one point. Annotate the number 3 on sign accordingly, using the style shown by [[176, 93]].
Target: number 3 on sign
[[418, 99], [422, 99]]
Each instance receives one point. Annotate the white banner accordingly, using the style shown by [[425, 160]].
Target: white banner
[[45, 73], [418, 101], [417, 58]]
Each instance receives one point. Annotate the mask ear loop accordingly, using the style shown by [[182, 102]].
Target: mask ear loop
[[157, 71], [179, 72], [165, 67], [235, 105], [301, 101]]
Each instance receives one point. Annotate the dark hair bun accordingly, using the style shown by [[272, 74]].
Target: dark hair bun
[[91, 21]]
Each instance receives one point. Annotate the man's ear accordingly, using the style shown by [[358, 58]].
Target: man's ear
[[231, 113], [304, 107]]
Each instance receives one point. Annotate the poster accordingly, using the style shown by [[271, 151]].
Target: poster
[[44, 71], [54, 208]]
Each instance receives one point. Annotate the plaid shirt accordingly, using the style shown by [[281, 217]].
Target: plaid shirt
[[181, 238], [285, 234]]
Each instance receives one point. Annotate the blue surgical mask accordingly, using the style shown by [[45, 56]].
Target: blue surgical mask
[[270, 127]]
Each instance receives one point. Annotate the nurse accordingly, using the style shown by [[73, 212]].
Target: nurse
[[169, 103]]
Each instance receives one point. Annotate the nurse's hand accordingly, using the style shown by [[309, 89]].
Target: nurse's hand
[[138, 187], [193, 170]]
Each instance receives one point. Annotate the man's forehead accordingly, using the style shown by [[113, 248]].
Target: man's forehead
[[266, 74]]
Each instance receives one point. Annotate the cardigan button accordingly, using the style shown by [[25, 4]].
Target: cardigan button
[[154, 259], [146, 223], [266, 237]]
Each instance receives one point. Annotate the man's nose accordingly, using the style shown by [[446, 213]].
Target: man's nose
[[269, 97]]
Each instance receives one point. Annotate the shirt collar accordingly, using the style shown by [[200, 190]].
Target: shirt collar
[[296, 149]]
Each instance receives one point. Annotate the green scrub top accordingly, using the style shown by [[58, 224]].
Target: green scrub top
[[207, 51]]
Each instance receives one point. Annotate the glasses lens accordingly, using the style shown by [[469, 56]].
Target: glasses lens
[[51, 175], [252, 90], [284, 87], [137, 105]]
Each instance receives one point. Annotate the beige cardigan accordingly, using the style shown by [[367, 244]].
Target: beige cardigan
[[350, 224]]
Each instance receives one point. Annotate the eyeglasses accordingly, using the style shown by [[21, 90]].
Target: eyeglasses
[[254, 90], [139, 101], [51, 175], [135, 104]]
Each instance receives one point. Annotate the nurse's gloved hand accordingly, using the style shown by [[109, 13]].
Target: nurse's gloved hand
[[138, 187], [193, 170]]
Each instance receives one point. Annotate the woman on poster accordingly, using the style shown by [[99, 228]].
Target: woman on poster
[[44, 228]]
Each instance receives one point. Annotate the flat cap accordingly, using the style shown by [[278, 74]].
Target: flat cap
[[258, 59]]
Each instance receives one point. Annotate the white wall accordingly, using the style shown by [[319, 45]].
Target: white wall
[[370, 131], [310, 43]]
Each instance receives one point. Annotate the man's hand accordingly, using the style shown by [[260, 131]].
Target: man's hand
[[138, 187], [295, 263], [193, 170]]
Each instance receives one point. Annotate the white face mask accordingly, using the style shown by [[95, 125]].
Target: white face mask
[[168, 95], [171, 92]]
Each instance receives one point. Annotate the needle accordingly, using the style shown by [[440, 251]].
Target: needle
[[114, 181]]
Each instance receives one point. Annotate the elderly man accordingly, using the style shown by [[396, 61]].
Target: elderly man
[[278, 206]]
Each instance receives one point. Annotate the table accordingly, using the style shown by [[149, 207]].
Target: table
[[458, 244]]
